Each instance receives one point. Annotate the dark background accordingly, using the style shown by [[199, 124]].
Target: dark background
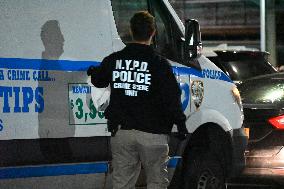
[[235, 22]]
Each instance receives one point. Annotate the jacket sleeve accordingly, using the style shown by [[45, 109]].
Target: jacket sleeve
[[101, 75], [171, 95]]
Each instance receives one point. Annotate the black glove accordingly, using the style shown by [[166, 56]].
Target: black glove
[[112, 127], [182, 131], [90, 70]]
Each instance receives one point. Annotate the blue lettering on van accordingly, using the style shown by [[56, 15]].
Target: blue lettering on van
[[1, 75], [17, 107], [5, 93], [212, 74], [39, 106], [25, 75], [204, 73], [1, 125], [39, 75], [18, 75], [185, 89], [42, 75], [27, 95]]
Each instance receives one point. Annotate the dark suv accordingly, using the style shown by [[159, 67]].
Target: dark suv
[[263, 105], [241, 65]]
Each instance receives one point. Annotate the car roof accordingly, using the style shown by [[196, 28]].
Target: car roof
[[242, 51], [229, 54]]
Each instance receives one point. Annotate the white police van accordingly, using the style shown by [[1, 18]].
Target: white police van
[[49, 125]]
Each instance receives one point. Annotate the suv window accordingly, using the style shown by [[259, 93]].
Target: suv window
[[244, 69], [242, 65]]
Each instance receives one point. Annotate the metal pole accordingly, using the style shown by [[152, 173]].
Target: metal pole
[[271, 43], [262, 26]]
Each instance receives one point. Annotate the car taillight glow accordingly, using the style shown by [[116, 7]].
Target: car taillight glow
[[277, 122]]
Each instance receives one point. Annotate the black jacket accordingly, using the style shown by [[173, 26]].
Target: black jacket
[[144, 92]]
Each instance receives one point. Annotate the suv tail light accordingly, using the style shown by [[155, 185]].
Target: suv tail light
[[277, 122]]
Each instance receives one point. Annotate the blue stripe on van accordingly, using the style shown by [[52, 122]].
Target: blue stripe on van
[[66, 169], [224, 77], [70, 65], [188, 70], [53, 170], [173, 161], [40, 64]]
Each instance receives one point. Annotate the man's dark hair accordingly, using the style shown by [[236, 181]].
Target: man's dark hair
[[142, 25]]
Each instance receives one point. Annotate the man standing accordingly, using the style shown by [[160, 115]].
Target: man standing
[[144, 105]]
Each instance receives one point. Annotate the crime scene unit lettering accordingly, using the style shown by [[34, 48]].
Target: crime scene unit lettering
[[132, 76]]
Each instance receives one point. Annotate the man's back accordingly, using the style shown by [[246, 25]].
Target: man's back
[[144, 102], [142, 89]]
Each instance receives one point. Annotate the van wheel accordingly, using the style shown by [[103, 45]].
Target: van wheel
[[203, 171]]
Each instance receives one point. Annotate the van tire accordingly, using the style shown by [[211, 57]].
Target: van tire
[[203, 170]]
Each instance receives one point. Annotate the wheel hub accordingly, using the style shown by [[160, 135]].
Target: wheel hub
[[207, 180]]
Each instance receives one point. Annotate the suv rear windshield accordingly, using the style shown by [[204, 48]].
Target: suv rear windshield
[[243, 65]]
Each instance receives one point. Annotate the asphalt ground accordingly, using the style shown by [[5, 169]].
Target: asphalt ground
[[97, 181], [103, 181]]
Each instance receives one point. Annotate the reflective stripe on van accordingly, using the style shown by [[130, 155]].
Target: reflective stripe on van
[[70, 65], [63, 169]]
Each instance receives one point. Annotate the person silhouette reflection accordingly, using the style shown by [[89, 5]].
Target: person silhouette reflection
[[52, 39], [53, 121]]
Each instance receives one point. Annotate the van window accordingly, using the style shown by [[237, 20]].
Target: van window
[[163, 40], [163, 37], [123, 10]]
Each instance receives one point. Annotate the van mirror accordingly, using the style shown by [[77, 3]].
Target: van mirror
[[193, 45]]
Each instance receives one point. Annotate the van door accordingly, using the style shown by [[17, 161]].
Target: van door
[[168, 41]]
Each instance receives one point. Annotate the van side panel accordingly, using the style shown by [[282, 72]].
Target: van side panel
[[46, 112], [46, 48]]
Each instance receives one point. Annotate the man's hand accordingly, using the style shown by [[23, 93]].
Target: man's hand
[[90, 70], [182, 131]]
